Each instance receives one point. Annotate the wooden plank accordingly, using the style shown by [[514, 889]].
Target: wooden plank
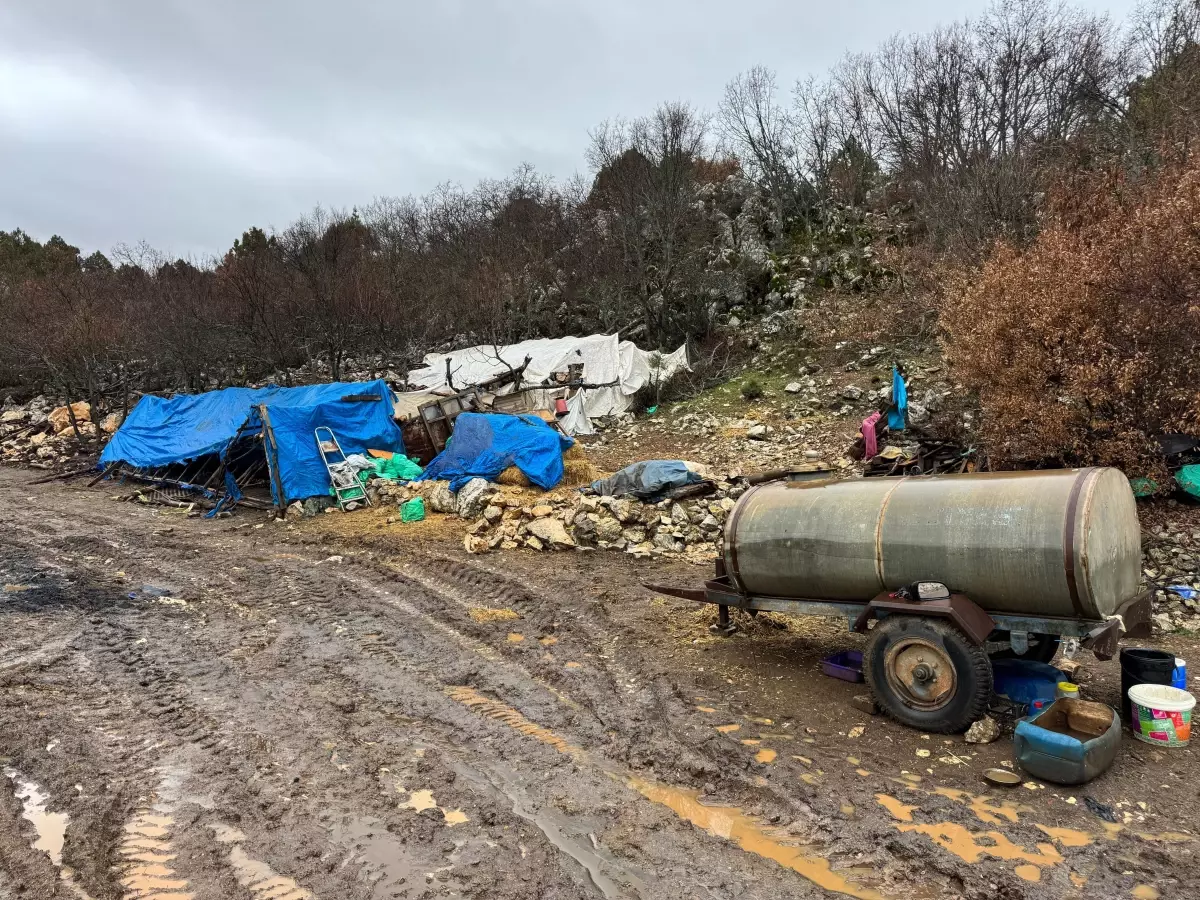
[[272, 458]]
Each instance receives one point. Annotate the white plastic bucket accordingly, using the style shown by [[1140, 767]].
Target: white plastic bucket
[[1161, 714]]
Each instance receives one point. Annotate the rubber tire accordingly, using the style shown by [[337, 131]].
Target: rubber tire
[[972, 668], [1043, 651]]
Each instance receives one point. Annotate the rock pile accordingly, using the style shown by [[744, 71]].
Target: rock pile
[[1171, 556], [506, 518], [39, 433]]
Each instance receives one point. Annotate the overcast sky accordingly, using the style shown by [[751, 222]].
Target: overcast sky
[[183, 123]]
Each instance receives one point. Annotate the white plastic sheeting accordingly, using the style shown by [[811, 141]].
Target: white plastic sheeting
[[576, 420], [619, 369]]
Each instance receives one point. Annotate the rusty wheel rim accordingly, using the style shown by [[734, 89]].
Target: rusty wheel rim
[[920, 673]]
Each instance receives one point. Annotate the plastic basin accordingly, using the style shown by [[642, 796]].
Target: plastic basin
[[846, 665], [1070, 742], [1161, 714]]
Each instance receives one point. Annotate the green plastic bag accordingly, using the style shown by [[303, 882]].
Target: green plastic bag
[[397, 468], [413, 510], [1143, 487], [1188, 478]]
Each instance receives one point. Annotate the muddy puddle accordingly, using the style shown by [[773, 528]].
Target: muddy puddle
[[382, 859], [570, 835], [421, 800], [975, 846], [263, 882], [147, 855], [728, 823], [734, 825], [50, 827]]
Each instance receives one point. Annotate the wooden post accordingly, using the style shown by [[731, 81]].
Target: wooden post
[[104, 473], [272, 453]]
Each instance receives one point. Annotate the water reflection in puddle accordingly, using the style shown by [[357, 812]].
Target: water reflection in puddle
[[419, 801], [146, 854], [729, 823], [733, 825], [256, 876], [51, 828]]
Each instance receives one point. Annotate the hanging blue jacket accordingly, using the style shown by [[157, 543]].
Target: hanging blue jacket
[[898, 414]]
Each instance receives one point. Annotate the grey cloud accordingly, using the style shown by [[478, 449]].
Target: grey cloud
[[182, 123]]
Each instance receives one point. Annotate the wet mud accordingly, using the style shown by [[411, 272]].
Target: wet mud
[[237, 709]]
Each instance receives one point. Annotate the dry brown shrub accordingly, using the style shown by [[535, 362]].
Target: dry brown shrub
[[1083, 348]]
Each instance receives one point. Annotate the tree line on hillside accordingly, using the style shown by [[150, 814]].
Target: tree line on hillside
[[943, 142]]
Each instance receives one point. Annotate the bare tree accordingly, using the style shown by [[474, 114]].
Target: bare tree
[[254, 280], [646, 189], [762, 134], [328, 252]]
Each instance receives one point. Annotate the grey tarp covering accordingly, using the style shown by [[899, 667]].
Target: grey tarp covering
[[647, 479]]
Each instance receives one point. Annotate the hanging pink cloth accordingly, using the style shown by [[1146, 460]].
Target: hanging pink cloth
[[870, 443]]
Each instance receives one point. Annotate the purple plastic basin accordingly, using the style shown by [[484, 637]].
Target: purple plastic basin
[[846, 665]]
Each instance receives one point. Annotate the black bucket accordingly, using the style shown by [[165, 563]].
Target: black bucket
[[1142, 666]]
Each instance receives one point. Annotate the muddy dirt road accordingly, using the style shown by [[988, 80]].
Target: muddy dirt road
[[234, 709]]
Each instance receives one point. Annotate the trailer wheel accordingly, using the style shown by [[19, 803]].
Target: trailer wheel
[[927, 674]]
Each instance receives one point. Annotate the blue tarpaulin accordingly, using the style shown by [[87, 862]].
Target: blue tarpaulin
[[485, 444], [159, 432]]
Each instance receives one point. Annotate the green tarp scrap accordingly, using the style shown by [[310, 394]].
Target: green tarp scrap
[[1188, 478], [413, 510], [394, 468], [1143, 487], [397, 467], [349, 493]]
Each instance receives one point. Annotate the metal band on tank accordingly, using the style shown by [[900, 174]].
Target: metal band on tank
[[879, 531], [1085, 516], [731, 532], [1069, 539]]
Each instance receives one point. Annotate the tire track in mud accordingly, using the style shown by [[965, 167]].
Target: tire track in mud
[[722, 822], [607, 677], [365, 629], [147, 855], [167, 700], [263, 882], [405, 634]]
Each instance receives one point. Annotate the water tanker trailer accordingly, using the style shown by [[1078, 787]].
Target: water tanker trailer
[[942, 573]]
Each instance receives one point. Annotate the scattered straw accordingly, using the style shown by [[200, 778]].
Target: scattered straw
[[484, 614]]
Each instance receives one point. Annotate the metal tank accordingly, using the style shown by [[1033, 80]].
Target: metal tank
[[1051, 543]]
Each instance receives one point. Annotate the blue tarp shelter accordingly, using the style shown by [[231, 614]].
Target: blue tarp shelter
[[163, 432], [485, 444]]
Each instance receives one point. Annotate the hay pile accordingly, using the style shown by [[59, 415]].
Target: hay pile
[[513, 477], [577, 470]]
